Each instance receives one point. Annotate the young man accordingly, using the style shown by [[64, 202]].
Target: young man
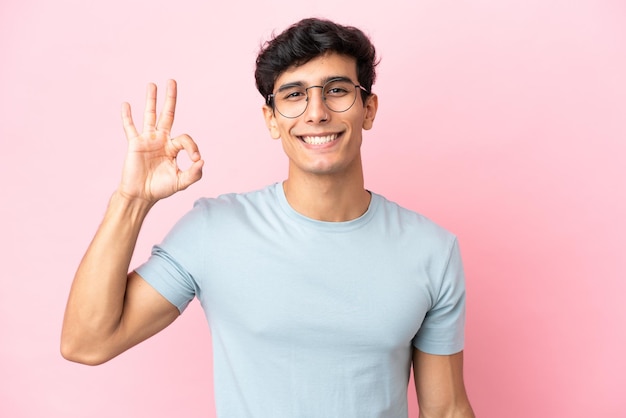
[[319, 293]]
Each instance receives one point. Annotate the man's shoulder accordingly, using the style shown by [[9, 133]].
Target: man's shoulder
[[230, 209], [233, 200], [409, 221]]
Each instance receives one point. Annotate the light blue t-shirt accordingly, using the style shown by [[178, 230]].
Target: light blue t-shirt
[[311, 318]]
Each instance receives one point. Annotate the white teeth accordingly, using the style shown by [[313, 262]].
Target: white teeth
[[319, 140]]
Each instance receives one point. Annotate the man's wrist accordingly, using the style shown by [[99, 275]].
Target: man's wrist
[[126, 202]]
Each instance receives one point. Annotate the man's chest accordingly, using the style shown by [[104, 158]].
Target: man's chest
[[326, 292]]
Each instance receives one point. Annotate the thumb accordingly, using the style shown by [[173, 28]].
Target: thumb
[[191, 175]]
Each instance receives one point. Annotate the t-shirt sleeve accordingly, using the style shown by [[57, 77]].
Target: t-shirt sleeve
[[172, 263], [443, 330], [168, 278]]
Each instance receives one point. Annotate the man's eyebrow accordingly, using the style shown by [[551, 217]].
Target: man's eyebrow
[[337, 78], [290, 85], [325, 80]]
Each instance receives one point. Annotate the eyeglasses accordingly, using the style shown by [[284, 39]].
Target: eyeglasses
[[338, 94]]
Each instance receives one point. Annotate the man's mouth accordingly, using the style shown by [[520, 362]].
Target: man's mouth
[[319, 140]]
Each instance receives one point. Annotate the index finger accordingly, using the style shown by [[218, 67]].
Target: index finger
[[166, 118]]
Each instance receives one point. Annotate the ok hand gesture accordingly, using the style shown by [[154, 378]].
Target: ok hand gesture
[[151, 171]]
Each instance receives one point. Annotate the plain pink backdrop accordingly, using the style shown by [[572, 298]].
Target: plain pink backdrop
[[504, 121]]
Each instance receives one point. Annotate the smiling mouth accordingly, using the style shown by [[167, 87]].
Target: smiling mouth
[[319, 140]]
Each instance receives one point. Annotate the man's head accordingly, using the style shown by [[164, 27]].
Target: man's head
[[311, 76], [311, 38]]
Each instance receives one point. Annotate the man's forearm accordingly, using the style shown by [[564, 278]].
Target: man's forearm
[[96, 299]]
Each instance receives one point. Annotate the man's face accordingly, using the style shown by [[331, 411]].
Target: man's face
[[320, 141]]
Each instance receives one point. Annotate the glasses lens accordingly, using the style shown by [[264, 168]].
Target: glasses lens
[[339, 95], [291, 101]]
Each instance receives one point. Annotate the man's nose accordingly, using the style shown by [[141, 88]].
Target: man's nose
[[316, 110]]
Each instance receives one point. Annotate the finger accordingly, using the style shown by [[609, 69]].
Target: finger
[[166, 118], [149, 115], [189, 145], [127, 122], [194, 172]]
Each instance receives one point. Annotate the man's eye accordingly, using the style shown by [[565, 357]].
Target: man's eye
[[336, 91], [294, 95]]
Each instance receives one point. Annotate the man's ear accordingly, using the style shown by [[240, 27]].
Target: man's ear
[[371, 107], [270, 121]]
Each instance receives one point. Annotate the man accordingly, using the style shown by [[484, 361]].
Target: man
[[319, 293]]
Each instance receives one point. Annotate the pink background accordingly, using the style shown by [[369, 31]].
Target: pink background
[[504, 121]]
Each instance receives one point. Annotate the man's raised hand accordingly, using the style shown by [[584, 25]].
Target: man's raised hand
[[151, 170]]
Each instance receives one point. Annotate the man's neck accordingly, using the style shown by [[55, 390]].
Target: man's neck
[[327, 198]]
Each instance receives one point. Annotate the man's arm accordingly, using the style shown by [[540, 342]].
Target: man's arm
[[109, 310], [440, 386]]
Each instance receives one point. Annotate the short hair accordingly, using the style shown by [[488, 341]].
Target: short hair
[[308, 39]]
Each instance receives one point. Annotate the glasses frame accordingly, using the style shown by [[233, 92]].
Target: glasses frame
[[270, 99]]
